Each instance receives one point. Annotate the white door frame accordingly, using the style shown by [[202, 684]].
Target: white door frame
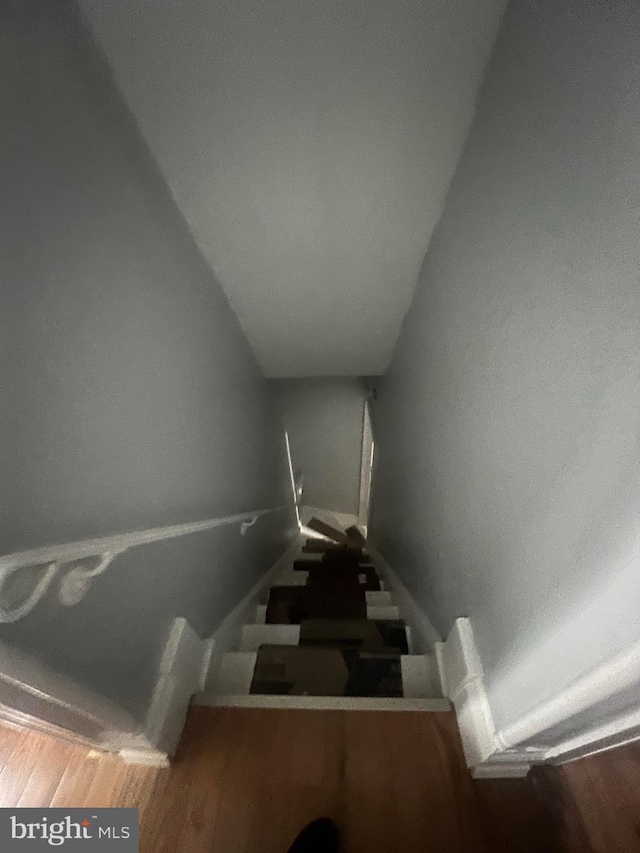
[[366, 469]]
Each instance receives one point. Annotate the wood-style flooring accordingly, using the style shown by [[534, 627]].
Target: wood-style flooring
[[248, 779]]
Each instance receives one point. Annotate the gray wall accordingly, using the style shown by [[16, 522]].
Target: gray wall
[[324, 421], [132, 398], [508, 476]]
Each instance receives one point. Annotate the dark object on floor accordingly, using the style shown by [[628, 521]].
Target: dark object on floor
[[353, 533], [319, 836], [326, 671], [373, 673], [364, 634], [343, 557], [305, 565], [288, 605], [297, 671], [338, 577]]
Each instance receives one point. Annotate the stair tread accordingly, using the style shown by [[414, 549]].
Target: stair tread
[[383, 611], [291, 604], [381, 598], [253, 636]]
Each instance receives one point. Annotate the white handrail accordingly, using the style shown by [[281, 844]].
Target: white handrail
[[75, 584]]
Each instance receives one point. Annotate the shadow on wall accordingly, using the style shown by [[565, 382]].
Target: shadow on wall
[[132, 399], [506, 486]]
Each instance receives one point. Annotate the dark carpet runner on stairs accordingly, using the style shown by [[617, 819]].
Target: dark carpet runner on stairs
[[340, 651]]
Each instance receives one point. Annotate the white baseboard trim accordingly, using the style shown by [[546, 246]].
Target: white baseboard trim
[[228, 635], [424, 636], [513, 770], [462, 679], [495, 754], [618, 674], [207, 656], [620, 730], [179, 677], [145, 757]]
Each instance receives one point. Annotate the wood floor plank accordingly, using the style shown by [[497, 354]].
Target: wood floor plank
[[137, 788], [19, 766], [76, 779], [304, 755], [214, 733], [47, 773], [230, 818], [403, 792], [108, 780], [606, 791], [9, 737], [370, 815], [443, 738], [249, 779], [192, 779], [515, 820], [556, 801]]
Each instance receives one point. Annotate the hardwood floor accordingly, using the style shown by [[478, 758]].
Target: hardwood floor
[[247, 780]]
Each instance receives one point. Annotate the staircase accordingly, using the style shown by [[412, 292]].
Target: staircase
[[329, 635]]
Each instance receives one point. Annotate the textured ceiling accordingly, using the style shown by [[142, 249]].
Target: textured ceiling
[[309, 146]]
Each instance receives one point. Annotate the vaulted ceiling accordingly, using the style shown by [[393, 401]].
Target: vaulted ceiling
[[309, 145]]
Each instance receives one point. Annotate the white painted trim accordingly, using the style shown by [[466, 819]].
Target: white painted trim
[[294, 486], [615, 675], [618, 731], [515, 770], [75, 584], [328, 703], [420, 678], [30, 677], [179, 677], [366, 469], [234, 676], [383, 611], [381, 598], [25, 673], [462, 679], [593, 749], [228, 634], [207, 655], [253, 636], [498, 754], [423, 635], [17, 720], [145, 757]]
